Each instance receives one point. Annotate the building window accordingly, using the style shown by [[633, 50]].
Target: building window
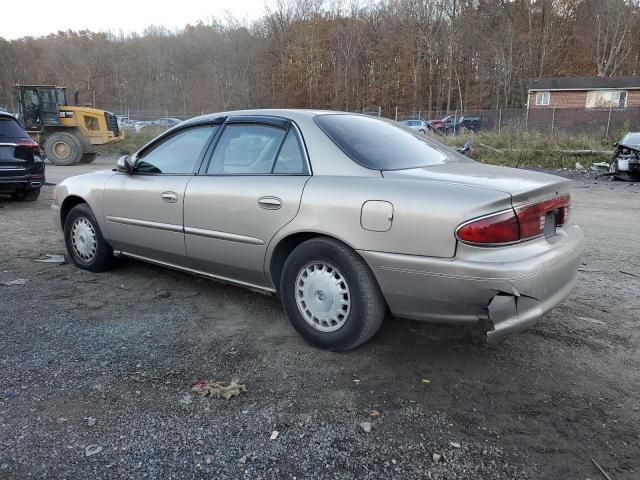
[[607, 99], [542, 98]]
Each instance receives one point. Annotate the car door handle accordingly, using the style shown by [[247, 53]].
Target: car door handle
[[269, 203], [169, 197]]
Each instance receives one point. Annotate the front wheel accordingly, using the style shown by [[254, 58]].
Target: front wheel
[[63, 148], [330, 295], [88, 157], [84, 241]]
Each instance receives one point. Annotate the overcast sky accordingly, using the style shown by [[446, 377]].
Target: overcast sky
[[41, 17]]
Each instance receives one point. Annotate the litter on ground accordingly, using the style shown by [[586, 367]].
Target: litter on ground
[[51, 259], [209, 388], [17, 281]]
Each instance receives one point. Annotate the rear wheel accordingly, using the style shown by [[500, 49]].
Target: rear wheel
[[84, 241], [26, 195], [330, 295], [62, 148]]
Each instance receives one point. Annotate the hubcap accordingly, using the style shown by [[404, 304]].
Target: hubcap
[[83, 239], [61, 149], [322, 296]]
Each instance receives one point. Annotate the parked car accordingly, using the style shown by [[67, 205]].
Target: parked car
[[471, 123], [342, 216], [626, 157], [135, 125], [418, 124], [438, 124], [166, 122], [21, 162], [457, 123]]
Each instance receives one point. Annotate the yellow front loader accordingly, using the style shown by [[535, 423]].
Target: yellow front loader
[[68, 134]]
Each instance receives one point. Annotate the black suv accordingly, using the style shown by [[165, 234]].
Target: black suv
[[21, 163]]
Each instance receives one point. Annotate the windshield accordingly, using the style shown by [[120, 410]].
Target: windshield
[[381, 144], [631, 139]]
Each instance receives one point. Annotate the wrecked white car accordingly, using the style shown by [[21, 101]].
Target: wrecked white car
[[625, 163]]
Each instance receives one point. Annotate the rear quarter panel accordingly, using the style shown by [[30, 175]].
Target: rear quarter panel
[[425, 213]]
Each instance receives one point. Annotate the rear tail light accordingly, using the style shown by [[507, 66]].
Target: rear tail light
[[515, 225], [30, 145]]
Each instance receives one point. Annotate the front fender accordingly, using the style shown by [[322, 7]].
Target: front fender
[[89, 188]]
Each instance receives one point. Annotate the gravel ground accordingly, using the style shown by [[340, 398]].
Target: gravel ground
[[107, 360]]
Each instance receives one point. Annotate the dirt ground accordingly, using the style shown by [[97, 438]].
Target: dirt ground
[[106, 361]]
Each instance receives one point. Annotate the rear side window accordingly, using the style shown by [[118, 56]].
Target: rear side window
[[381, 144], [290, 160], [11, 128], [246, 149]]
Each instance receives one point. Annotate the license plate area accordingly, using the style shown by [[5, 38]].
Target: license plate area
[[6, 153], [550, 224]]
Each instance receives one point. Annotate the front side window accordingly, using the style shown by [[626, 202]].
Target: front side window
[[381, 144], [542, 98], [246, 149], [607, 99], [178, 154]]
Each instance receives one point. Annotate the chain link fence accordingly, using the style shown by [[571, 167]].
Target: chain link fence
[[600, 123]]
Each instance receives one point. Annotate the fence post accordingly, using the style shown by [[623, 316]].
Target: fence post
[[499, 120], [379, 111], [526, 121], [396, 113], [608, 123], [455, 122], [419, 113], [553, 119]]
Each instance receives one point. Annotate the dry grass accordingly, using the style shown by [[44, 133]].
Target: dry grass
[[521, 148], [132, 142]]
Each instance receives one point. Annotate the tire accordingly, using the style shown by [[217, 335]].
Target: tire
[[335, 274], [62, 148], [422, 131], [84, 241], [30, 195], [88, 157]]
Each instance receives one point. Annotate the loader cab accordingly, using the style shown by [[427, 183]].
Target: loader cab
[[39, 104]]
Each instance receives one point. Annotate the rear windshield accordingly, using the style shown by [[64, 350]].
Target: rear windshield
[[11, 128], [381, 144]]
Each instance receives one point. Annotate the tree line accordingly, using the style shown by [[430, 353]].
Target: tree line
[[424, 55]]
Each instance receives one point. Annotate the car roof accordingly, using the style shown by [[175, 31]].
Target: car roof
[[291, 113]]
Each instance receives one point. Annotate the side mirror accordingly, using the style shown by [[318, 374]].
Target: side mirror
[[615, 145], [124, 164]]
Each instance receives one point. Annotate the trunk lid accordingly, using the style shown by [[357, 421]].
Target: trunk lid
[[524, 186], [16, 157]]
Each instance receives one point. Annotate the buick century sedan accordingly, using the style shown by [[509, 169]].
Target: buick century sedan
[[345, 217]]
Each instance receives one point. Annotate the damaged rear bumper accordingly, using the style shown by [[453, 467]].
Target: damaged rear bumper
[[503, 290]]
